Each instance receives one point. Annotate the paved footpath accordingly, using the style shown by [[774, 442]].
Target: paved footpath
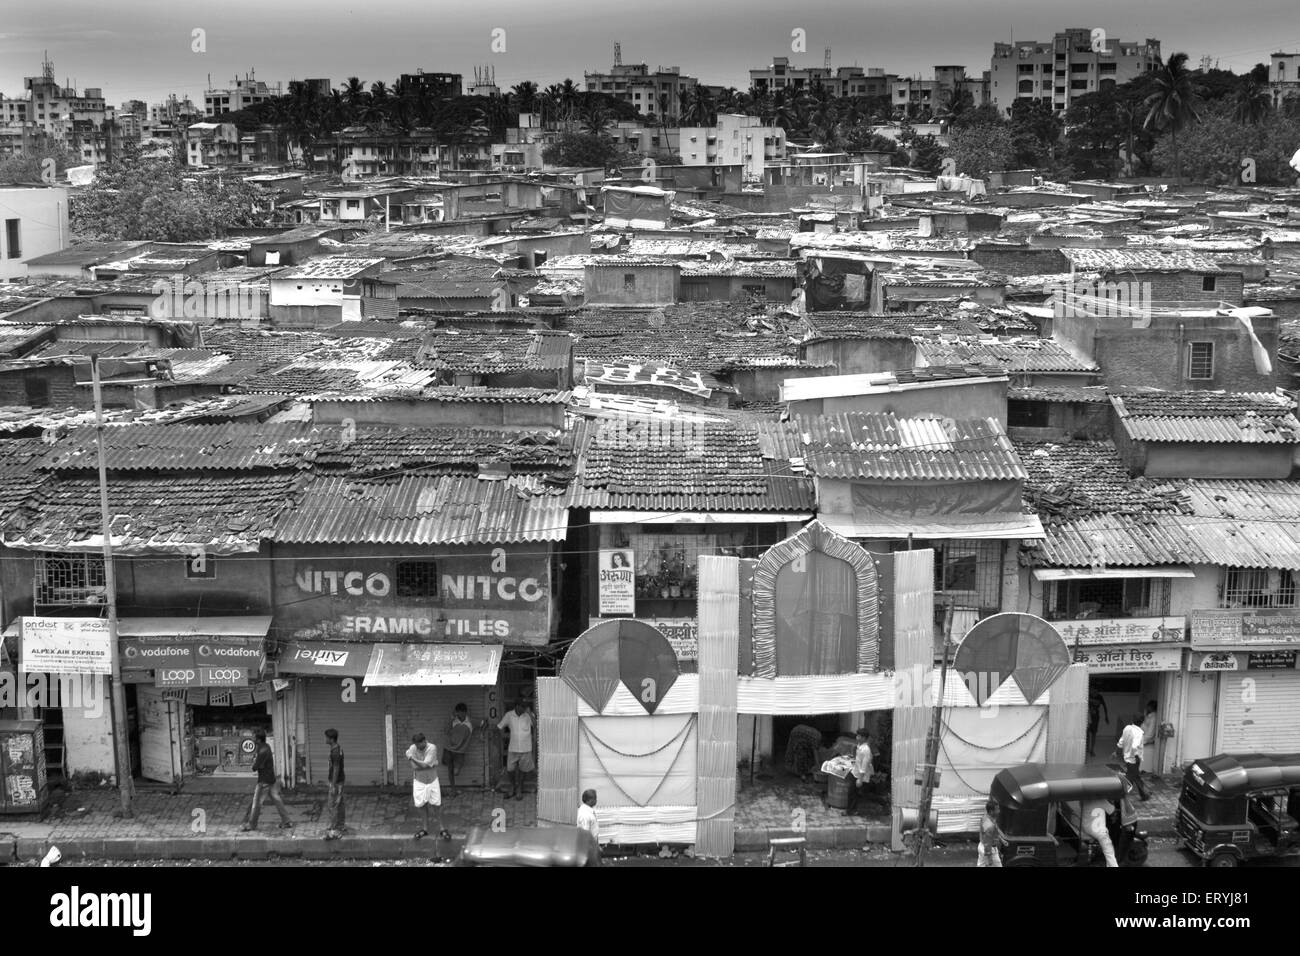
[[382, 822]]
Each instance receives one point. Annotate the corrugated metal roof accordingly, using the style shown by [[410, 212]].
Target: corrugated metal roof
[[1015, 355], [884, 446], [424, 510], [1215, 417], [1257, 500], [227, 447]]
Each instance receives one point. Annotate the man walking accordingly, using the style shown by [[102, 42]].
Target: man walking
[[336, 778], [1130, 748], [423, 757], [587, 815], [519, 757], [267, 785]]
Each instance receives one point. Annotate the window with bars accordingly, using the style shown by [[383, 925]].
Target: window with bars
[[1107, 598], [1257, 587], [967, 573], [417, 579], [1200, 360], [69, 579]]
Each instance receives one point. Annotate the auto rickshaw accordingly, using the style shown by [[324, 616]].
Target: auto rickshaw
[[1040, 815], [1239, 807], [529, 846]]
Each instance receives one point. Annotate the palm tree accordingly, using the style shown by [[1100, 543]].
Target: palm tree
[[379, 103], [525, 95], [595, 118], [354, 98], [699, 109], [1174, 104], [1253, 103]]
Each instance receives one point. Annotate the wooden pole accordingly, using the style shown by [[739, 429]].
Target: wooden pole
[[118, 707], [923, 835]]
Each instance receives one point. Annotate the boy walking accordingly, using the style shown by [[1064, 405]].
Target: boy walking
[[587, 815]]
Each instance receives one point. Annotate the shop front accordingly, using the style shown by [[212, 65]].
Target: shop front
[[1244, 662], [381, 649], [197, 695], [1131, 662]]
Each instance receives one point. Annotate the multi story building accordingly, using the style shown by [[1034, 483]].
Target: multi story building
[[653, 94], [736, 140], [212, 144], [244, 93], [1066, 67], [439, 84], [840, 81], [916, 95], [1284, 76]]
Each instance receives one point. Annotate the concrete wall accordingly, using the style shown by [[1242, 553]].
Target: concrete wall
[[417, 413], [88, 730], [653, 285], [862, 356], [1195, 460], [157, 586], [63, 392], [42, 215], [956, 400], [724, 288]]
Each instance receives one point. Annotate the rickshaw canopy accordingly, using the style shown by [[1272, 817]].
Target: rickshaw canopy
[[531, 846], [1232, 775], [1036, 784]]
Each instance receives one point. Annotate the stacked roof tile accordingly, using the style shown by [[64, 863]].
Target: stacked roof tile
[[1215, 417]]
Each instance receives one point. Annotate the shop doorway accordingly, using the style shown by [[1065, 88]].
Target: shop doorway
[[802, 742], [1198, 721], [1123, 696]]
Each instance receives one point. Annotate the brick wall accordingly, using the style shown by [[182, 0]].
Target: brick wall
[[63, 392], [1020, 260], [1157, 356], [1187, 286]]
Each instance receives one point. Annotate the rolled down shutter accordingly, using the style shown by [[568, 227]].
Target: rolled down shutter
[[428, 710], [1259, 715], [360, 724]]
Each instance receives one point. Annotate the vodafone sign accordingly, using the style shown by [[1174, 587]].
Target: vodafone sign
[[141, 654]]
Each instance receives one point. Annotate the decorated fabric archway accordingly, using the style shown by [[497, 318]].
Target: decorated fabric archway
[[1011, 646], [835, 599], [625, 652]]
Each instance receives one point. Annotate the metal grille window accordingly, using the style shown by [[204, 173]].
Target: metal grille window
[[1200, 360], [417, 579], [64, 579], [1107, 598], [969, 573], [629, 281], [1257, 587]]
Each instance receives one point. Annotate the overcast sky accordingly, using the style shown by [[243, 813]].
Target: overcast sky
[[141, 49]]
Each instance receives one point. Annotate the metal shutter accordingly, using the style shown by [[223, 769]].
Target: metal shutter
[[427, 710], [361, 731], [1268, 722]]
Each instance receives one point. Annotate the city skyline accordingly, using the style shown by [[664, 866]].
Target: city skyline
[[143, 49]]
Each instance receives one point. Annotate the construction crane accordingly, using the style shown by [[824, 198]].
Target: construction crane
[[618, 54]]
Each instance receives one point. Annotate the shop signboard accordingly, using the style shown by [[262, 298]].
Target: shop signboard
[[683, 633], [617, 584], [1125, 630], [324, 659], [1132, 657], [1243, 628], [227, 675], [433, 665], [488, 597], [66, 645], [1216, 661], [153, 654], [1271, 660]]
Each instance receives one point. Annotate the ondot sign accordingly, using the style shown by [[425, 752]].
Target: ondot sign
[[66, 645]]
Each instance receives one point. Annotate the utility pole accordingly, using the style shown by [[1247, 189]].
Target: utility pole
[[929, 771], [118, 705]]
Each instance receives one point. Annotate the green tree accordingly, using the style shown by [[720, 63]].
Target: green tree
[[582, 149], [28, 166], [137, 198], [928, 154], [979, 150], [1175, 104], [1252, 104]]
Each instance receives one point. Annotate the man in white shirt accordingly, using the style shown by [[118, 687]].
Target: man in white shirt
[[587, 815], [519, 756], [423, 758], [1130, 747], [860, 776]]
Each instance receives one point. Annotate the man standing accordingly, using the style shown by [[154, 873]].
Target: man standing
[[423, 757], [587, 815], [336, 778], [267, 785], [860, 775], [1096, 707], [1130, 748], [1149, 728], [459, 735], [519, 757]]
